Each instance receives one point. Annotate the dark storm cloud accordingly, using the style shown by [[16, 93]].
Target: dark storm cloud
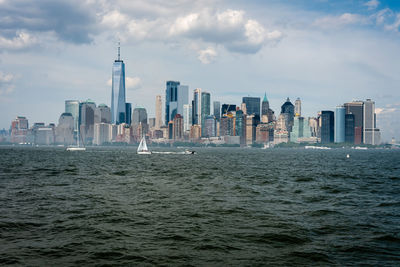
[[71, 21]]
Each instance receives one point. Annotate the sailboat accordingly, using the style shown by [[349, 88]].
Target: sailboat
[[142, 149], [78, 146]]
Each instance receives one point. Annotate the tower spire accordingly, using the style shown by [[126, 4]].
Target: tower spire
[[119, 50]]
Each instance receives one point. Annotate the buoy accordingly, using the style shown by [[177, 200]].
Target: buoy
[[347, 156]]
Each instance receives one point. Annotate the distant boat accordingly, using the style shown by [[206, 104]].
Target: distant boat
[[316, 147], [361, 147], [78, 146], [142, 149]]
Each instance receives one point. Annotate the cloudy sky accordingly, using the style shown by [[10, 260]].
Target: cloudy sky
[[325, 52]]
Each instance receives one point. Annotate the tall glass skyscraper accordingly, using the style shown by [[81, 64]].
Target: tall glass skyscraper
[[327, 126], [176, 95], [340, 124], [196, 107], [72, 106], [217, 110], [205, 109], [252, 106], [118, 107]]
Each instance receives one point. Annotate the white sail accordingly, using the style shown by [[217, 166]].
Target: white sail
[[142, 149]]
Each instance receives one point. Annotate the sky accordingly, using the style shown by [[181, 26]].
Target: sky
[[325, 52]]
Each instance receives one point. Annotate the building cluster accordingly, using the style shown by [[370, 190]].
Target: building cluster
[[197, 119]]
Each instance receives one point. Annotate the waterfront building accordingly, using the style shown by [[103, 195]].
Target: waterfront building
[[118, 107], [371, 135], [19, 130], [288, 110], [159, 121], [64, 132], [217, 110], [101, 133], [44, 135], [187, 118], [252, 107], [327, 126], [86, 116], [297, 107], [357, 109], [209, 126], [102, 113], [128, 113], [195, 132], [251, 124], [227, 125], [72, 107], [177, 127], [340, 126], [112, 132], [349, 128], [205, 109], [196, 107], [139, 116], [265, 133]]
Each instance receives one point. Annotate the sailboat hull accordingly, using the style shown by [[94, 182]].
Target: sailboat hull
[[76, 148], [144, 152]]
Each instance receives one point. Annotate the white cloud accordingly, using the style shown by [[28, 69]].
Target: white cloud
[[395, 25], [372, 4], [6, 86], [207, 56], [130, 82], [20, 41], [340, 21]]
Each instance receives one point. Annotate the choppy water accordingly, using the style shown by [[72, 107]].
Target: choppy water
[[219, 207]]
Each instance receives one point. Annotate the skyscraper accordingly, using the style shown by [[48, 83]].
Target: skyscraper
[[139, 116], [128, 114], [288, 109], [102, 113], [297, 107], [187, 117], [205, 109], [267, 114], [72, 107], [340, 126], [86, 120], [176, 96], [196, 107], [217, 110], [357, 109], [227, 108], [371, 135], [327, 126], [159, 122], [349, 128], [252, 106], [118, 107]]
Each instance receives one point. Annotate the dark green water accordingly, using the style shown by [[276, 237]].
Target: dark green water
[[218, 207]]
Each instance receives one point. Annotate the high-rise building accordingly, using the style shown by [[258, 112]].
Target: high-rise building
[[159, 122], [252, 106], [177, 127], [357, 109], [101, 133], [209, 126], [288, 109], [226, 108], [297, 107], [349, 128], [139, 116], [187, 118], [205, 109], [176, 96], [251, 125], [227, 125], [86, 120], [128, 113], [118, 107], [327, 126], [65, 129], [102, 113], [217, 110], [19, 130], [196, 107], [267, 114], [72, 107], [340, 124], [371, 135]]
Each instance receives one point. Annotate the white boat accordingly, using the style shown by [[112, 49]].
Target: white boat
[[317, 147], [142, 149], [78, 146]]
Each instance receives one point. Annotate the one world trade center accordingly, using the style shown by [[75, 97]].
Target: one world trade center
[[118, 108]]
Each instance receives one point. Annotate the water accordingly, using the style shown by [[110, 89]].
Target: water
[[219, 207]]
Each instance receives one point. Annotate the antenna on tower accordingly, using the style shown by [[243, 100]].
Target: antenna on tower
[[119, 50]]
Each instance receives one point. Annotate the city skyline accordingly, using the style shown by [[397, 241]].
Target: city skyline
[[366, 59]]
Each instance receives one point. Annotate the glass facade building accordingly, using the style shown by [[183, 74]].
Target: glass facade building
[[118, 107], [252, 106], [176, 95], [205, 109], [349, 128], [196, 107], [128, 109], [327, 126], [72, 107], [217, 110], [340, 126]]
